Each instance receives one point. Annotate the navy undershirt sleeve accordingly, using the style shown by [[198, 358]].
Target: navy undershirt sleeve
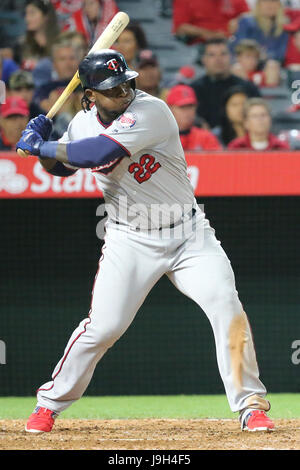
[[59, 169], [94, 151]]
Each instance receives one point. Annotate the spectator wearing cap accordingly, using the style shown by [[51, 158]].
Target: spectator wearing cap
[[130, 42], [218, 78], [197, 21], [183, 102], [258, 123], [249, 65], [150, 76], [92, 18], [185, 75], [21, 85], [14, 116]]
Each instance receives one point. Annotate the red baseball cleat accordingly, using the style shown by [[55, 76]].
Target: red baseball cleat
[[256, 420], [41, 420]]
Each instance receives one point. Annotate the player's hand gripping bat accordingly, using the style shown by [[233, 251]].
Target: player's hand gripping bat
[[105, 41]]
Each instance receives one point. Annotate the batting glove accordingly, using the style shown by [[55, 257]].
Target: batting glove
[[30, 141], [42, 125]]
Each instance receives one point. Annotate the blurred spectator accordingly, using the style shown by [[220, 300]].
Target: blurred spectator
[[130, 42], [183, 102], [211, 87], [14, 116], [291, 136], [292, 56], [197, 21], [65, 9], [185, 75], [12, 26], [150, 75], [258, 122], [7, 68], [69, 45], [232, 115], [92, 18], [266, 25], [66, 113], [21, 85], [65, 62], [293, 4], [42, 29], [248, 65]]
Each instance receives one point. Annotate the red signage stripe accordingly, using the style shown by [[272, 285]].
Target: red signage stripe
[[211, 174]]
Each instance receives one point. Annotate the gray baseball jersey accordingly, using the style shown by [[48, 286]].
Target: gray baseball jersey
[[154, 177]]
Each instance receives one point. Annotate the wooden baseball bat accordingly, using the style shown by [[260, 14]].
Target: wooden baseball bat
[[105, 41]]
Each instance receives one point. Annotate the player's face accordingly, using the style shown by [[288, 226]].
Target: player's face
[[113, 102]]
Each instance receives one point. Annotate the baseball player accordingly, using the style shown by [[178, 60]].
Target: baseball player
[[130, 141]]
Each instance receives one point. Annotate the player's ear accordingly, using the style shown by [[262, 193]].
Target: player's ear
[[90, 95]]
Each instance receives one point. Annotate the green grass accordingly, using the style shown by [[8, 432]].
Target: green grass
[[175, 406]]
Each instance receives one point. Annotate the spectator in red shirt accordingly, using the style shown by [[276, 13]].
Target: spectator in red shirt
[[92, 18], [292, 56], [203, 20], [183, 102], [14, 116], [258, 124]]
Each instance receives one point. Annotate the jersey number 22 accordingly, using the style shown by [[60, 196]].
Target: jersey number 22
[[144, 169]]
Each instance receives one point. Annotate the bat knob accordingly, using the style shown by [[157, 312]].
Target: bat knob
[[22, 153]]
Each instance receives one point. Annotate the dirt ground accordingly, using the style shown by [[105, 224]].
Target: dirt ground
[[149, 434]]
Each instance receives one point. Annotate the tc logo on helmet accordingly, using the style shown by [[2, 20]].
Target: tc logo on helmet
[[112, 64]]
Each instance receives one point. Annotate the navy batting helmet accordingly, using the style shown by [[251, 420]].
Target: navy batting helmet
[[105, 69]]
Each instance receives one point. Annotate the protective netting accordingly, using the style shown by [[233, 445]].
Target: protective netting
[[49, 257]]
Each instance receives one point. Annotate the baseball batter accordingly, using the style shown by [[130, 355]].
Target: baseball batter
[[130, 141]]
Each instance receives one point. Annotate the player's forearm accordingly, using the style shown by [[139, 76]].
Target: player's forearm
[[85, 153], [47, 163], [55, 168]]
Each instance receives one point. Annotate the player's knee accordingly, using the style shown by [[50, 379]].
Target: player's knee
[[106, 337], [223, 298]]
